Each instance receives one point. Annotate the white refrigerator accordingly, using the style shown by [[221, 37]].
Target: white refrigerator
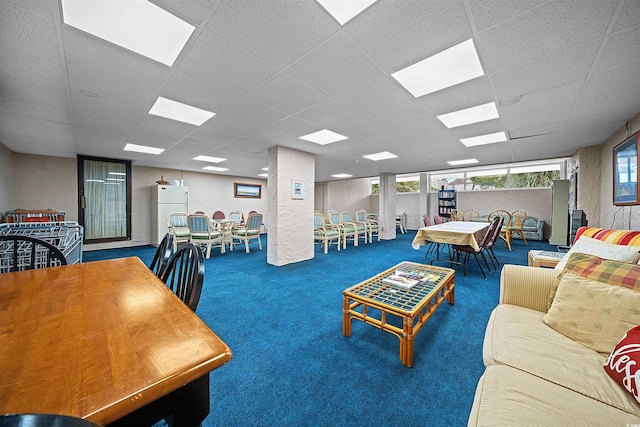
[[166, 199]]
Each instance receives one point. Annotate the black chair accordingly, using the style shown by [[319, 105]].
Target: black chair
[[162, 255], [469, 250], [43, 420], [27, 253], [184, 274], [492, 242]]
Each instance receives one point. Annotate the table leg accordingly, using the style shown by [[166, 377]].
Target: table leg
[[450, 296], [406, 344], [346, 321]]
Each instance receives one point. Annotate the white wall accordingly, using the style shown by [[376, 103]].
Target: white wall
[[6, 181], [51, 182], [617, 217], [349, 195]]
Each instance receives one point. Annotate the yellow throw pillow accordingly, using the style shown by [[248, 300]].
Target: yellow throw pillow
[[593, 313]]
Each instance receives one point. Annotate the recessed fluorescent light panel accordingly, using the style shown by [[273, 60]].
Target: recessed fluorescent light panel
[[462, 162], [137, 25], [380, 156], [263, 174], [455, 65], [215, 169], [324, 137], [342, 175], [143, 149], [209, 159], [344, 10], [489, 138], [181, 112], [467, 116]]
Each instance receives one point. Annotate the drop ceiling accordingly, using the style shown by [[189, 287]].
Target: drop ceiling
[[563, 74]]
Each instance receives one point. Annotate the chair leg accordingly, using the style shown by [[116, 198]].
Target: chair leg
[[259, 242], [480, 266]]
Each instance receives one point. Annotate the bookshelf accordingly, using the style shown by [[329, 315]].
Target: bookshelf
[[446, 203]]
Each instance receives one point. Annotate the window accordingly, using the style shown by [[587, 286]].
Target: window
[[487, 179], [452, 181], [533, 176], [404, 184]]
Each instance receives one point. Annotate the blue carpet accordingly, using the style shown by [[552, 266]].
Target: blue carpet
[[291, 364]]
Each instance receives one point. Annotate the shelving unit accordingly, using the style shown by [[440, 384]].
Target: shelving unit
[[446, 203]]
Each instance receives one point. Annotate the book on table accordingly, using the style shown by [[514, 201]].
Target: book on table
[[550, 254]]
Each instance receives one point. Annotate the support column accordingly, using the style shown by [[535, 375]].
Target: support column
[[424, 196], [290, 206], [387, 206]]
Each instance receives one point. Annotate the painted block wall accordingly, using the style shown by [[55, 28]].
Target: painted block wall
[[6, 180]]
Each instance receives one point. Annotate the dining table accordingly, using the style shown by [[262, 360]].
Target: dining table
[[105, 341], [466, 233]]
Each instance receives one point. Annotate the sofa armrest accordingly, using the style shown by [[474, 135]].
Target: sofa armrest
[[527, 287]]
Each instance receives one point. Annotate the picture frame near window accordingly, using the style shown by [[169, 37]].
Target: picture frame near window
[[247, 191], [625, 172]]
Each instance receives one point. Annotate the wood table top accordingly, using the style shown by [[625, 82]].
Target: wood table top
[[97, 340]]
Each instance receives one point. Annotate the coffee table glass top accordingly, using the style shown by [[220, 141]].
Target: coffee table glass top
[[374, 289]]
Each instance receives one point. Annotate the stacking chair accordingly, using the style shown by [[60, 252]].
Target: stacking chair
[[471, 215], [373, 225], [504, 231], [401, 222], [162, 255], [468, 250], [436, 219], [236, 217], [249, 231], [456, 215], [347, 229], [427, 223], [177, 224], [361, 226], [517, 224], [28, 253], [218, 215], [184, 274], [491, 243], [324, 232], [202, 232]]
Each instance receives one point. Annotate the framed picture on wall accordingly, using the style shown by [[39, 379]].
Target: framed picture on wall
[[625, 172], [296, 189], [247, 191]]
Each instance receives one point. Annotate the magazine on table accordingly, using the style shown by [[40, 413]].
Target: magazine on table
[[408, 279]]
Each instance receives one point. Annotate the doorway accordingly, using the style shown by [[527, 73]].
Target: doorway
[[104, 199]]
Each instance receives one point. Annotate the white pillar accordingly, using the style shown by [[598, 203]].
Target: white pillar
[[387, 206], [289, 212], [424, 197]]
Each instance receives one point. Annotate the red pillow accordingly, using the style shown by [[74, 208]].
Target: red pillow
[[623, 364]]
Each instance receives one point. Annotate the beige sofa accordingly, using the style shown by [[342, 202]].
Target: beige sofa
[[536, 376]]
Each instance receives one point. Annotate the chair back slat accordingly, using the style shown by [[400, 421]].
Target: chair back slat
[[184, 274], [18, 253]]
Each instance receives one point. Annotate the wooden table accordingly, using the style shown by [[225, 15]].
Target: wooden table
[[549, 259], [414, 306], [467, 233], [102, 341]]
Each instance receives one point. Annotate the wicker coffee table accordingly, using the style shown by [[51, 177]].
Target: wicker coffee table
[[414, 306]]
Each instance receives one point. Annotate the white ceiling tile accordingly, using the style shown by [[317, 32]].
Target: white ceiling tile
[[375, 95], [154, 137], [193, 10], [37, 123], [334, 67], [230, 125], [216, 61], [534, 102], [33, 110], [535, 117], [544, 30], [629, 15], [619, 50], [104, 124], [213, 136], [167, 125], [287, 94], [327, 114], [464, 95], [276, 31], [396, 34], [294, 126], [489, 12], [528, 131], [197, 146], [615, 81], [254, 112], [19, 66], [189, 90], [560, 68], [28, 32], [35, 94], [46, 8]]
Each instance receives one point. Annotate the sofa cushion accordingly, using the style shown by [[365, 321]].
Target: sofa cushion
[[623, 364], [588, 245], [509, 397], [617, 237], [517, 337], [614, 273], [593, 313]]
